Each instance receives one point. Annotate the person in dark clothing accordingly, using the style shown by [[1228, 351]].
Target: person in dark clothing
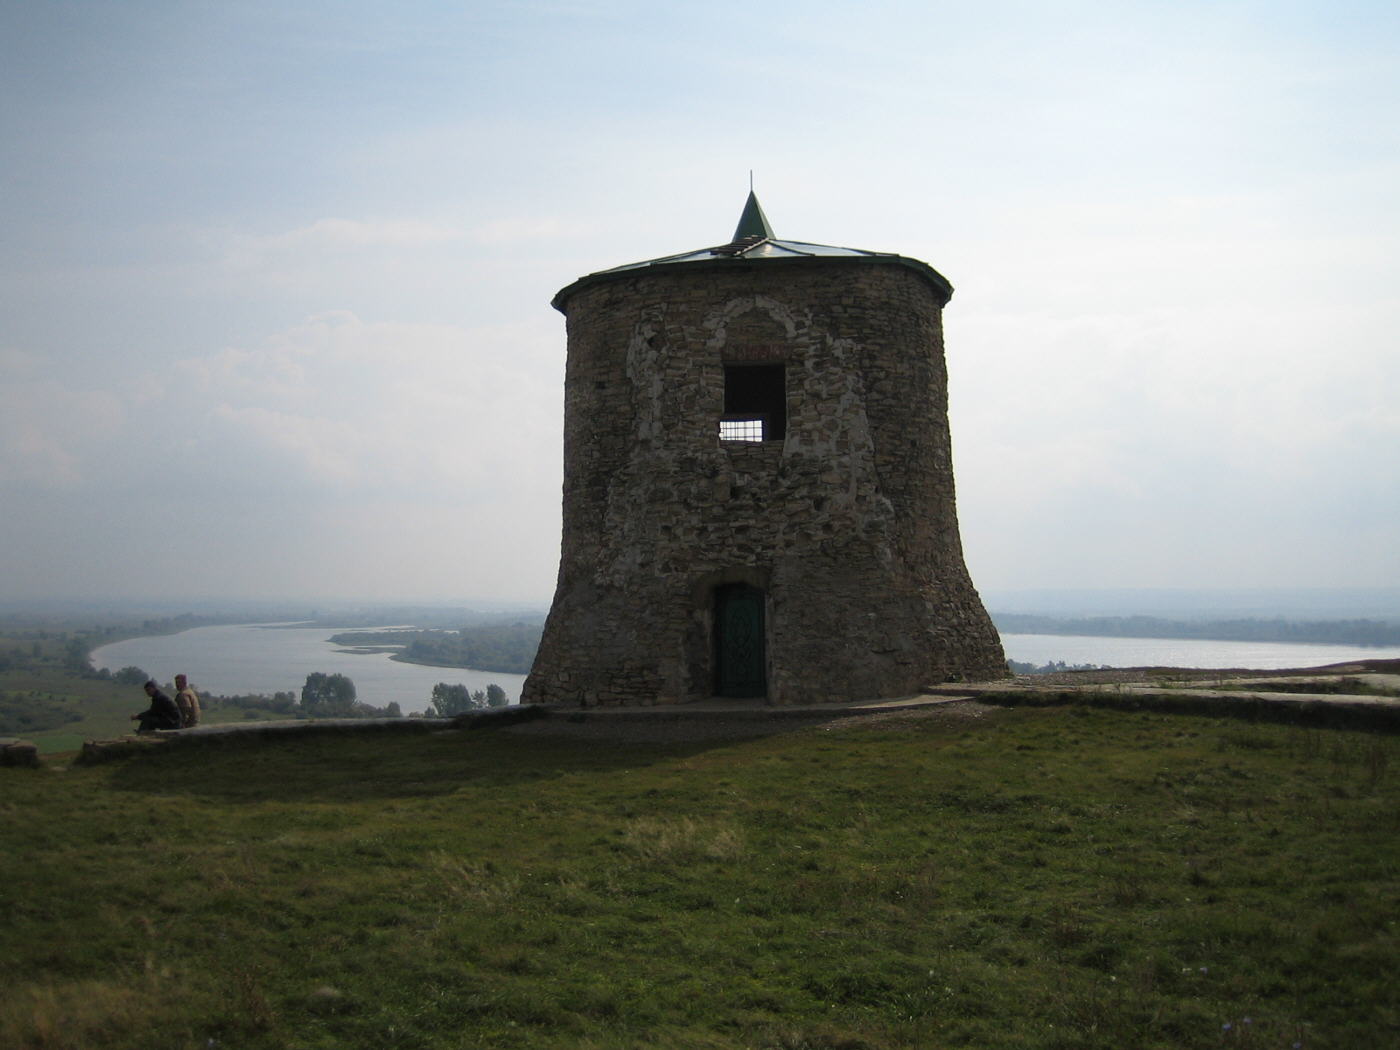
[[162, 714]]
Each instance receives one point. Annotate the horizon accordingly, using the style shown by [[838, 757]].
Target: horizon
[[1166, 603]]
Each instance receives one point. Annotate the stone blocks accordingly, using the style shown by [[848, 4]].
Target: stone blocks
[[847, 525]]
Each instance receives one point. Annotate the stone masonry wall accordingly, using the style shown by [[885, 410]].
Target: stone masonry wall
[[848, 525]]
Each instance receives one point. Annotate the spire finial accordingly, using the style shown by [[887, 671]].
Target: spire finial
[[752, 223]]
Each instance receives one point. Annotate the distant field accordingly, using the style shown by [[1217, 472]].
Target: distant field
[[104, 708], [1058, 877], [48, 694]]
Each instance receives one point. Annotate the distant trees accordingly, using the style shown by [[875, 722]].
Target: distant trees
[[131, 675], [284, 703], [450, 700], [75, 655], [333, 696], [328, 699], [1017, 667], [508, 647], [328, 696], [496, 647]]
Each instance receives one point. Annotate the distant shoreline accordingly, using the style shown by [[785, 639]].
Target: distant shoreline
[[403, 658], [1363, 632]]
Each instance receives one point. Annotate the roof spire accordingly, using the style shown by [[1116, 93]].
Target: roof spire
[[752, 223]]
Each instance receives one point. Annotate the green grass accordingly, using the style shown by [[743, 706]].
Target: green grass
[[1048, 877], [104, 708], [48, 695], [1342, 686]]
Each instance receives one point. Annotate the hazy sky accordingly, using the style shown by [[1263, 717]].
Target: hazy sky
[[275, 277]]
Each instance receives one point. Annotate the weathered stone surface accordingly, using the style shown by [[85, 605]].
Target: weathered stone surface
[[19, 753], [848, 525]]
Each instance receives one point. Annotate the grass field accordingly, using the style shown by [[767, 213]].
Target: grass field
[[102, 708], [48, 695], [1050, 877]]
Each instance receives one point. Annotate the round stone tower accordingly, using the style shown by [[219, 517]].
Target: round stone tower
[[758, 483]]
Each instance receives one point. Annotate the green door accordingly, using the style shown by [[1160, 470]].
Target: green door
[[739, 656]]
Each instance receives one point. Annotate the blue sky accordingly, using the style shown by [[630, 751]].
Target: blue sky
[[274, 278]]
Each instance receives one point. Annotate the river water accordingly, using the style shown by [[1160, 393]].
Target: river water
[[261, 658], [268, 659], [1041, 649]]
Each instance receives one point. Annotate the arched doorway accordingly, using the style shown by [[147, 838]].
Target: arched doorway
[[740, 659]]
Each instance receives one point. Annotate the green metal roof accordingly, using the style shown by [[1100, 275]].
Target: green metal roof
[[754, 242], [752, 223]]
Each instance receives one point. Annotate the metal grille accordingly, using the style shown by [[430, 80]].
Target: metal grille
[[741, 429]]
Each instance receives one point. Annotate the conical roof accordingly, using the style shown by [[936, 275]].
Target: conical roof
[[752, 223], [753, 242]]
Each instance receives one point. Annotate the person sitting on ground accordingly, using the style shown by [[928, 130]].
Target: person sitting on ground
[[162, 714], [187, 700]]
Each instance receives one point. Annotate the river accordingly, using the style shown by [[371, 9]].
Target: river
[[1041, 649], [263, 658]]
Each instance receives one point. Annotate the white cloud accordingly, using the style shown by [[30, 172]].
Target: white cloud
[[50, 436], [322, 448], [386, 406], [334, 457]]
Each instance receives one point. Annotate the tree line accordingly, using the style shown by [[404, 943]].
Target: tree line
[[334, 696], [449, 700], [506, 647], [1019, 667]]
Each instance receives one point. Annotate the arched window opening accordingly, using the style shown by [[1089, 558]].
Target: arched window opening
[[755, 403]]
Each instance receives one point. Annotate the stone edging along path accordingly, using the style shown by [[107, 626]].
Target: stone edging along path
[[735, 712], [1259, 696]]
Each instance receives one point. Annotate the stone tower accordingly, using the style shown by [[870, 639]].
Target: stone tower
[[758, 483]]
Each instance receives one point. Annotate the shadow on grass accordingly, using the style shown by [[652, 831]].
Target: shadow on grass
[[348, 765], [1315, 714]]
